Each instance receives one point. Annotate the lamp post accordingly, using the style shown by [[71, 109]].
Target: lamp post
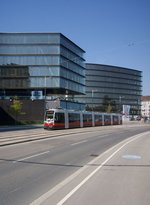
[[139, 103], [45, 91], [45, 95], [120, 103], [93, 90]]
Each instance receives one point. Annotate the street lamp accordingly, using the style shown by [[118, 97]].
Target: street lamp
[[45, 91], [120, 103], [93, 90]]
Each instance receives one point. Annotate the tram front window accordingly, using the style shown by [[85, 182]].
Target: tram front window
[[49, 115]]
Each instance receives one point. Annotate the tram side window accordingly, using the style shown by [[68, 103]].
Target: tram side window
[[98, 118], [59, 117], [87, 118], [115, 119], [107, 119], [73, 117]]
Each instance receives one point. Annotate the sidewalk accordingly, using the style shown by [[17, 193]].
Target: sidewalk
[[18, 127]]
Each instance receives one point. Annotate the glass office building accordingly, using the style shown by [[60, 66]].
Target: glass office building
[[39, 63], [122, 86]]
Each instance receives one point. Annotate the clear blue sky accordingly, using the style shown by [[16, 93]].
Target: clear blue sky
[[113, 32]]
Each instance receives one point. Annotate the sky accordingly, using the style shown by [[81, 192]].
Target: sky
[[112, 32]]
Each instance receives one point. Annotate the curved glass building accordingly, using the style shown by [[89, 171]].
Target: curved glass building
[[121, 86]]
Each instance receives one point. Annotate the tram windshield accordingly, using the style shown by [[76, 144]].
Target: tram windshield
[[49, 115]]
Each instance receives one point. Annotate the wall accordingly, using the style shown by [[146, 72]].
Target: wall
[[32, 111]]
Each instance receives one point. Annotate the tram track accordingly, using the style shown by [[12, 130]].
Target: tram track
[[8, 138], [15, 137]]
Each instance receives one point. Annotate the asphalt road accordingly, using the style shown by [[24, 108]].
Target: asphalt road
[[88, 167]]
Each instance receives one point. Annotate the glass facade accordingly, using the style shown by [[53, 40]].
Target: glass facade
[[41, 61], [121, 85]]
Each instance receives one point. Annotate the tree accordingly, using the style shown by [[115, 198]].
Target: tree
[[108, 105], [16, 107], [109, 108], [106, 102], [114, 106]]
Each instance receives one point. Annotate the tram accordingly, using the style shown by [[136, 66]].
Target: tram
[[63, 119]]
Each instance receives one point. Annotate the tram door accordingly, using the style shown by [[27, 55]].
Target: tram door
[[60, 120]]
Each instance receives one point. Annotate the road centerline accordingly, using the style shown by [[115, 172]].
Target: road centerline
[[76, 143], [32, 156]]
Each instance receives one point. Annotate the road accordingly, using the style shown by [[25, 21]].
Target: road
[[108, 165]]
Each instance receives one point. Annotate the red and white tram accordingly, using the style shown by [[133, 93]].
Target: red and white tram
[[61, 119]]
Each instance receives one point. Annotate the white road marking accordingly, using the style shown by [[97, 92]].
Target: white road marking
[[45, 196], [76, 143], [90, 175], [131, 156], [42, 153]]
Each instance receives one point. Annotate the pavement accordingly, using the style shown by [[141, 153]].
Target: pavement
[[106, 179], [18, 127], [118, 176]]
